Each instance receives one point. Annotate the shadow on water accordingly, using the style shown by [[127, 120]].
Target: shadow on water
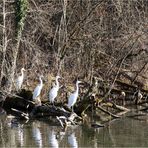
[[124, 132]]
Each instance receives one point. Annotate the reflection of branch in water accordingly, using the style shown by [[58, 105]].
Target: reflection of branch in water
[[60, 135], [111, 136], [140, 117], [88, 131], [107, 125]]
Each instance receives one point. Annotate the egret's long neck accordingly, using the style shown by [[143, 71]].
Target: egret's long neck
[[22, 73], [77, 88], [57, 83], [41, 82]]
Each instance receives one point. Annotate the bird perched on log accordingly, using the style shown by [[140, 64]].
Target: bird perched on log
[[73, 97], [123, 97], [139, 97], [20, 79], [54, 91], [37, 91]]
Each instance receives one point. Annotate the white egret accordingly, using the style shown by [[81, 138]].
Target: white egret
[[73, 97], [140, 96], [123, 97], [37, 91], [54, 91], [20, 79]]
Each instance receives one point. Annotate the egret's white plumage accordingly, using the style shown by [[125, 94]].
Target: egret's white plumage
[[38, 89], [140, 95], [73, 97], [20, 79], [54, 91], [122, 96], [123, 93]]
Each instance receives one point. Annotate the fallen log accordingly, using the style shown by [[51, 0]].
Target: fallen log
[[107, 112], [121, 108], [126, 85], [21, 101], [40, 111], [22, 104], [64, 122], [22, 108], [121, 113], [21, 114], [130, 86], [96, 125], [83, 105]]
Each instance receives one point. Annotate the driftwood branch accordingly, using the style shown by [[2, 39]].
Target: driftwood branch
[[21, 114], [107, 112], [121, 108]]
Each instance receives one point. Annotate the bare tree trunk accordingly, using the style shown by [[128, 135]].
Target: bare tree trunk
[[62, 36], [4, 41], [21, 11]]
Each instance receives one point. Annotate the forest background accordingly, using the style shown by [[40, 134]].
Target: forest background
[[105, 39]]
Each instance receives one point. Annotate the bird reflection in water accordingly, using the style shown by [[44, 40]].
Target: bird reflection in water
[[37, 134], [72, 140], [53, 141], [16, 131]]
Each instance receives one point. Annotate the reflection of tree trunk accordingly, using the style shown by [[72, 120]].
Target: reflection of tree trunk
[[12, 140], [1, 134], [111, 136]]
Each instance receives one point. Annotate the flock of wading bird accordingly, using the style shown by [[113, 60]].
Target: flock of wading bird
[[52, 93]]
